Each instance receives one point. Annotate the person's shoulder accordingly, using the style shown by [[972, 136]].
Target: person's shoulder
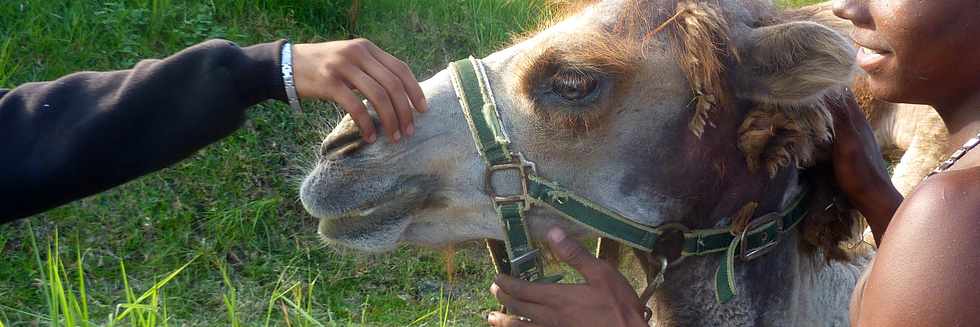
[[943, 208], [946, 204], [927, 256], [953, 194]]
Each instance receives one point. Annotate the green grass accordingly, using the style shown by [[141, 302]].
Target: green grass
[[221, 239], [232, 206]]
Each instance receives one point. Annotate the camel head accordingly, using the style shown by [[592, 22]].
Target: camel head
[[663, 111]]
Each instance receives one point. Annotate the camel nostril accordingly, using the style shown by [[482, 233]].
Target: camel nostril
[[344, 140], [344, 144]]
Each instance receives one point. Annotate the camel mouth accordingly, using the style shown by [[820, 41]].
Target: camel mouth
[[369, 220], [383, 226]]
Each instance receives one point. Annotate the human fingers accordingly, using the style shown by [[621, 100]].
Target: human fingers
[[858, 119], [537, 312], [404, 73], [396, 92], [543, 293], [353, 106], [572, 253], [854, 139], [846, 113], [498, 319], [379, 100]]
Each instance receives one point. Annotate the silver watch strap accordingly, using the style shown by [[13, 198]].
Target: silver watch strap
[[287, 76]]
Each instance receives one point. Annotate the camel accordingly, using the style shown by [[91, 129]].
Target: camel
[[911, 136], [703, 113]]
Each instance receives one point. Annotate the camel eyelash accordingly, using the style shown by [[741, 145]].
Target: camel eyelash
[[572, 90], [551, 83], [568, 100]]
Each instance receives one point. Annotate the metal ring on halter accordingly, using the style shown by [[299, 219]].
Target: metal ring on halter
[[524, 319], [679, 227]]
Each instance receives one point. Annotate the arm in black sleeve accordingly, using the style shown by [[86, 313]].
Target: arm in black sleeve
[[87, 132]]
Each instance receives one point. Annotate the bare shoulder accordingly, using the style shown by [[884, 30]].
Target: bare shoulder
[[927, 267], [954, 196]]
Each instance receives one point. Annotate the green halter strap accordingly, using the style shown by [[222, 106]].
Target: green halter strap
[[523, 260]]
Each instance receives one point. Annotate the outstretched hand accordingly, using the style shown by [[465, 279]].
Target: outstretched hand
[[333, 70], [605, 299]]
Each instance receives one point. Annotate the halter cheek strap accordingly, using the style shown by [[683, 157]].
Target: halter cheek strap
[[518, 257]]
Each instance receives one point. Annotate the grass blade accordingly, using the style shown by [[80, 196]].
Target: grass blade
[[41, 270], [83, 297], [302, 312], [231, 297], [135, 303]]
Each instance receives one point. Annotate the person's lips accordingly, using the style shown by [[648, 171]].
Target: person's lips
[[873, 52], [872, 59]]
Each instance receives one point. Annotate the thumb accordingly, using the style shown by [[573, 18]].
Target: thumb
[[572, 253]]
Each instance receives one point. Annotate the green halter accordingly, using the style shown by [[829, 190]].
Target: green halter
[[522, 260]]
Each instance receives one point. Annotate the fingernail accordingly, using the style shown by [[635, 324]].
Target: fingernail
[[556, 235], [397, 137], [410, 130], [372, 138], [492, 316]]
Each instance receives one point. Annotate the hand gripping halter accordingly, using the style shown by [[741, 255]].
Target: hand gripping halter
[[518, 257]]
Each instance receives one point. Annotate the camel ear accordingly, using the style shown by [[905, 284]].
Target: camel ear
[[792, 63]]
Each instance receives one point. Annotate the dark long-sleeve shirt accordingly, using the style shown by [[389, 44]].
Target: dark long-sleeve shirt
[[87, 132]]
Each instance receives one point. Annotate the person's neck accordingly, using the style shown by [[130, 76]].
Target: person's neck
[[962, 119]]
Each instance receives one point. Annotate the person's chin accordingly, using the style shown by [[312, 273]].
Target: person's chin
[[884, 89], [885, 85]]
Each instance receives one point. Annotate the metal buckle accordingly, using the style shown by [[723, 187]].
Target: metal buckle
[[531, 275], [523, 167], [529, 256], [749, 254]]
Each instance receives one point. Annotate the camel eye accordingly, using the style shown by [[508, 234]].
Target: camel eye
[[573, 85]]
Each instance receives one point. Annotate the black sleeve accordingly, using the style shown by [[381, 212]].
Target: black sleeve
[[87, 132]]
